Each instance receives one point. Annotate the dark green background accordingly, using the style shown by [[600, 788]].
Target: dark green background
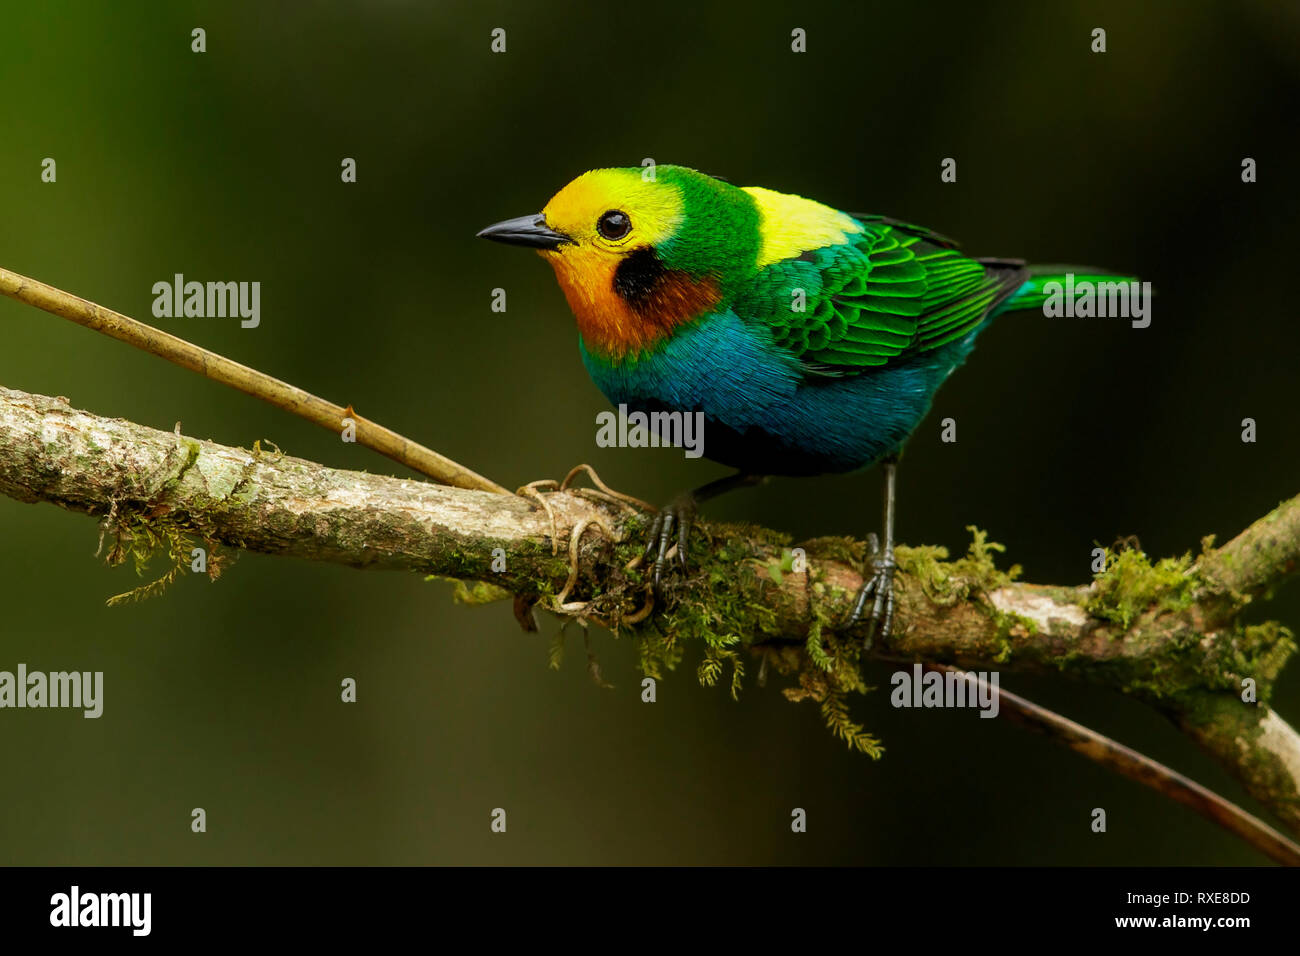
[[226, 166]]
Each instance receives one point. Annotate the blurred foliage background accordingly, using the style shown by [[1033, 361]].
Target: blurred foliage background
[[225, 165]]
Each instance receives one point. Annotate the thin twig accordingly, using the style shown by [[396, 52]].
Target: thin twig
[[1151, 773], [247, 380]]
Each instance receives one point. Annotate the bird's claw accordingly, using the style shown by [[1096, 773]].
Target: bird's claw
[[881, 586], [659, 547]]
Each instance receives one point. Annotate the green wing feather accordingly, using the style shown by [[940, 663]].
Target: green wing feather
[[892, 291]]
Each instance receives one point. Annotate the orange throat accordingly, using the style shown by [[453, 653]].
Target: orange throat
[[616, 321]]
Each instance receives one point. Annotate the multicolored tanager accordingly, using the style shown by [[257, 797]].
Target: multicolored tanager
[[812, 340]]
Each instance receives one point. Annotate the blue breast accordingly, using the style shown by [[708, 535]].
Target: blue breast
[[762, 413]]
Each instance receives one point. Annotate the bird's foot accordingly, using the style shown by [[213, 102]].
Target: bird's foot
[[676, 516], [881, 586]]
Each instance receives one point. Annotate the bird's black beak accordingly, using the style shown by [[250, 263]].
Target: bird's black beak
[[525, 231]]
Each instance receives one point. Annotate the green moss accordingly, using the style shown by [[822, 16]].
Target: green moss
[[1256, 651], [816, 653], [473, 593], [728, 620], [948, 583], [835, 713], [1130, 585], [951, 582], [139, 537], [710, 668], [191, 456], [1181, 670]]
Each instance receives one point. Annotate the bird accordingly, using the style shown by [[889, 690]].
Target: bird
[[811, 340]]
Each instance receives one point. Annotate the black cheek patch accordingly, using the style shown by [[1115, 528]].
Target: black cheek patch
[[639, 276]]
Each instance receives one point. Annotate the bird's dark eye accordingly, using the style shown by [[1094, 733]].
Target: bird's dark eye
[[613, 224]]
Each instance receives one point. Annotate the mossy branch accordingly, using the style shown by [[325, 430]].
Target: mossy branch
[[1167, 633]]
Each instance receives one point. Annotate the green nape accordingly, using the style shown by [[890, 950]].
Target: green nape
[[717, 217]]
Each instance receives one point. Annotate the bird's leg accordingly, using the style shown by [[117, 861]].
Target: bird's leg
[[679, 513], [881, 582]]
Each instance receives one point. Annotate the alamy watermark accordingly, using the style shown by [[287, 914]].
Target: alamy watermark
[[1105, 299], [75, 908], [624, 429], [922, 688], [214, 300], [81, 690]]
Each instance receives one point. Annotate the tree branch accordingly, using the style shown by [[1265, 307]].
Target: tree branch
[[1167, 633]]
